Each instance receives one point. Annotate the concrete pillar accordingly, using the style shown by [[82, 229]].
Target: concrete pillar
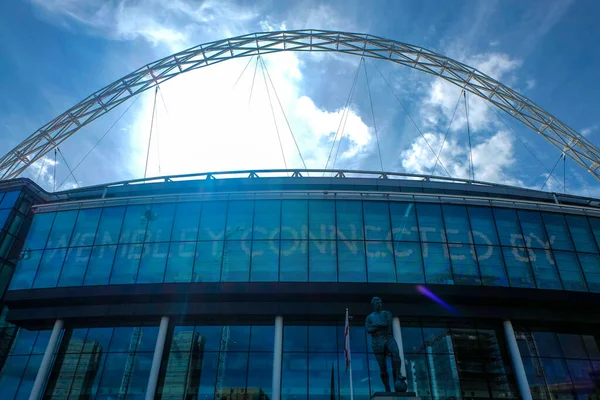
[[277, 358], [517, 361], [397, 331], [42, 375], [157, 358]]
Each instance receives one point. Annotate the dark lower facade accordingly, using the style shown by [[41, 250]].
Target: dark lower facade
[[237, 289]]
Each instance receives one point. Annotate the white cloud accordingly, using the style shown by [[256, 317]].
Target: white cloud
[[530, 84], [589, 130], [42, 172], [494, 43]]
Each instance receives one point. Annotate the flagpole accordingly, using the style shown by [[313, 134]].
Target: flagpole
[[348, 352]]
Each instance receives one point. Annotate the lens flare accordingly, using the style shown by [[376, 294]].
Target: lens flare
[[424, 291]]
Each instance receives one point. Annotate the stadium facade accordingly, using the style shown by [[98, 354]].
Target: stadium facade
[[235, 287]]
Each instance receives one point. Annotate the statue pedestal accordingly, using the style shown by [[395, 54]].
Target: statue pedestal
[[394, 396]]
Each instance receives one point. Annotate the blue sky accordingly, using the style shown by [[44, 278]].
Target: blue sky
[[56, 52]]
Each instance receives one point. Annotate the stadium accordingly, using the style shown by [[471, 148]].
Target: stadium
[[234, 285]]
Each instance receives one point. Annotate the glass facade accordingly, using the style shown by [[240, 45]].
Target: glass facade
[[311, 241]]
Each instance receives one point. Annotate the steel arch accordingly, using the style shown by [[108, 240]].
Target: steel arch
[[101, 102]]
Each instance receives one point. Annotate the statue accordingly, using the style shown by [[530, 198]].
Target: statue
[[379, 326]]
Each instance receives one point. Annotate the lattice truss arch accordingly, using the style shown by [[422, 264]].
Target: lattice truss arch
[[101, 102]]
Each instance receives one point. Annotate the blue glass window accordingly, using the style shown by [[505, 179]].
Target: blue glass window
[[239, 220], [9, 199], [322, 260], [100, 265], [581, 234], [351, 261], [380, 262], [491, 265], [187, 220], [180, 263], [482, 225], [533, 229], [75, 265], [377, 220], [4, 216], [570, 272], [39, 231], [49, 269], [544, 269], [60, 235], [126, 264], [110, 225], [267, 218], [590, 263], [560, 237], [437, 263], [431, 226], [160, 222], [322, 338], [321, 366], [509, 229], [212, 220], [404, 222], [85, 227], [262, 339], [294, 261], [517, 267], [260, 370], [236, 262], [457, 224], [349, 220], [295, 338], [26, 270], [11, 375], [207, 266], [409, 262], [153, 264], [464, 265], [294, 219], [265, 261], [135, 224], [321, 220]]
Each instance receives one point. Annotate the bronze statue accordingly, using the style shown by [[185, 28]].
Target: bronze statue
[[379, 326]]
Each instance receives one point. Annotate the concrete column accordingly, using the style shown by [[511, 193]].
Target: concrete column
[[517, 361], [157, 358], [277, 358], [40, 378], [397, 331]]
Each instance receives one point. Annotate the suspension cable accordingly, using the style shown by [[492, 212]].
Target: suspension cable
[[156, 130], [412, 120], [253, 79], [37, 180], [265, 69], [344, 111], [564, 173], [244, 70], [373, 113], [101, 138], [273, 114], [471, 166], [54, 177], [150, 136], [67, 165], [439, 154], [550, 174]]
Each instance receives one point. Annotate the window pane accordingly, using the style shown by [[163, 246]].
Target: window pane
[[29, 377], [212, 220], [236, 262], [349, 220], [572, 345], [294, 219], [60, 235], [75, 265], [437, 263], [187, 219], [533, 229], [380, 262], [321, 220], [112, 376], [518, 267], [154, 260], [404, 222], [208, 376], [491, 266], [295, 338], [322, 338], [322, 260], [10, 376], [570, 271], [457, 224], [377, 220], [126, 263], [560, 237], [39, 231], [207, 267], [262, 338], [49, 269], [239, 220], [9, 199], [431, 227], [321, 368], [294, 263], [180, 262], [26, 270], [85, 227], [260, 374], [482, 225], [110, 225], [265, 261], [581, 234], [582, 375], [351, 262], [464, 265], [294, 380], [508, 226], [544, 269], [233, 372], [135, 223], [409, 262], [590, 263], [160, 222], [267, 217], [100, 265], [4, 216]]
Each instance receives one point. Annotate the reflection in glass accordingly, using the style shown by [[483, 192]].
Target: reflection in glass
[[464, 266], [404, 221], [482, 225], [135, 223], [239, 220], [322, 260], [60, 235], [351, 262], [544, 269], [207, 266], [236, 262], [517, 267], [74, 267], [49, 268], [153, 263], [377, 220], [265, 261], [321, 220], [533, 229], [26, 269], [110, 225], [590, 263], [457, 224], [267, 217], [380, 262], [293, 261], [437, 263], [409, 263], [85, 227], [126, 263], [349, 217], [581, 234], [212, 220], [491, 266], [160, 222], [180, 262], [570, 271], [294, 219], [431, 226], [186, 221], [558, 232], [100, 265]]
